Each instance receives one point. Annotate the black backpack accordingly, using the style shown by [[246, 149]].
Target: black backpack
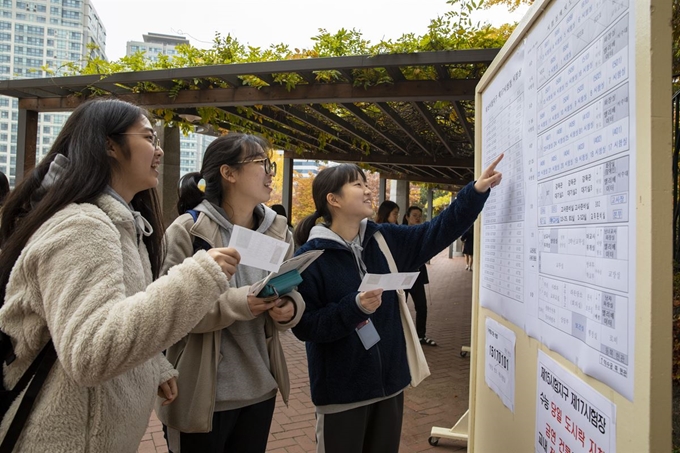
[[36, 374]]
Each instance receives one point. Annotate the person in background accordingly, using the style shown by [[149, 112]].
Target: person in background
[[4, 187], [81, 239], [231, 365], [388, 212], [356, 350], [281, 210], [414, 216], [468, 246]]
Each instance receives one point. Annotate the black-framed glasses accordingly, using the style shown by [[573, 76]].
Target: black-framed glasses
[[155, 141], [269, 166]]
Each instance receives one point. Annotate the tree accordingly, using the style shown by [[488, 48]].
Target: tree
[[277, 181], [303, 203], [511, 4]]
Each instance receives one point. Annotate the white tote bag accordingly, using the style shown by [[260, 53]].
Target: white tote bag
[[417, 363]]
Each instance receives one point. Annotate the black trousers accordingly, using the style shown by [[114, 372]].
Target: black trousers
[[417, 293], [243, 430], [375, 428]]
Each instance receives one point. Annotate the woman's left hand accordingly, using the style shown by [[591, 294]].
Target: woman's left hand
[[168, 390], [489, 177], [283, 310]]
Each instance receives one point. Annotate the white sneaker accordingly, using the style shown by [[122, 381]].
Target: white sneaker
[[467, 268]]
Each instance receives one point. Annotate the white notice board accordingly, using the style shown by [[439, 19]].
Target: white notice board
[[558, 235]]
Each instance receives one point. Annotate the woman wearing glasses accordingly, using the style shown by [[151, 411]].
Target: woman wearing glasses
[[81, 243], [231, 364]]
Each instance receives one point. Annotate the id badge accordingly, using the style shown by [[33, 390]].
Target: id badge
[[367, 334]]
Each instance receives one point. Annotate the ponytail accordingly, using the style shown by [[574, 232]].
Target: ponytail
[[328, 180], [189, 195], [304, 227]]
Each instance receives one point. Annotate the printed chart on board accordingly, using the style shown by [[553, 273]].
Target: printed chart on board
[[558, 235]]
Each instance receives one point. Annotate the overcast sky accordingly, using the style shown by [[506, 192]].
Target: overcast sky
[[264, 22]]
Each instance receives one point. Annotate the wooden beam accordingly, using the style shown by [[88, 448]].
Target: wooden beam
[[427, 116], [442, 72], [349, 127], [399, 121], [307, 76], [395, 73], [232, 80], [416, 178], [444, 162], [368, 121], [267, 78], [407, 91], [269, 67], [317, 125], [270, 117], [347, 74], [306, 143], [460, 111], [27, 136]]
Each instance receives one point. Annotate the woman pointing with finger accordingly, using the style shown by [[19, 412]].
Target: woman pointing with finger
[[355, 343]]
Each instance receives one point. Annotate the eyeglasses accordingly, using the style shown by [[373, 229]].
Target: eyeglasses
[[269, 166], [155, 141]]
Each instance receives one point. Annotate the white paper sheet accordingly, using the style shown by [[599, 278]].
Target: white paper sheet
[[499, 368], [388, 282], [299, 262], [258, 250], [571, 415]]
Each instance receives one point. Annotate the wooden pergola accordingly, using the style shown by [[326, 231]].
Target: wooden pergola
[[415, 123]]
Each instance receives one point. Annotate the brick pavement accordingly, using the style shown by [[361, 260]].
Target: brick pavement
[[439, 401]]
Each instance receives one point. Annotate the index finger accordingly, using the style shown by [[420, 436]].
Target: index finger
[[495, 162], [374, 292]]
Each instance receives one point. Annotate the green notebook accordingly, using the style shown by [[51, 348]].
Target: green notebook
[[281, 284]]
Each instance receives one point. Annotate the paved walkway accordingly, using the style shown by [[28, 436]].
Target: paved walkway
[[439, 401]]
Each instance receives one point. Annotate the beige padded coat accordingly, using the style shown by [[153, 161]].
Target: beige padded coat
[[196, 356], [85, 280]]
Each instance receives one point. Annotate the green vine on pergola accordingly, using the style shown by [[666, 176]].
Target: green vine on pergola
[[453, 31]]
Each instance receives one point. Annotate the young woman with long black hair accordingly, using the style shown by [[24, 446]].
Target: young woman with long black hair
[[388, 212], [231, 364], [355, 342], [81, 241]]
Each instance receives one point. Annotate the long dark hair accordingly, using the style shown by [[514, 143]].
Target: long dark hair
[[404, 221], [4, 187], [384, 211], [230, 149], [83, 140], [328, 180]]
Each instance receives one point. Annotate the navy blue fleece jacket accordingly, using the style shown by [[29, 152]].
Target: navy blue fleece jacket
[[341, 370]]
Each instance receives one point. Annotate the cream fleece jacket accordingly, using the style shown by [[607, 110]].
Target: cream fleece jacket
[[85, 280]]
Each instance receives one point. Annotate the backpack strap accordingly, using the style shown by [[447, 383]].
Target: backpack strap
[[36, 373], [199, 243]]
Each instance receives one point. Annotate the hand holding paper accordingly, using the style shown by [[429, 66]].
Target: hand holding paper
[[226, 258], [371, 300], [388, 282]]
